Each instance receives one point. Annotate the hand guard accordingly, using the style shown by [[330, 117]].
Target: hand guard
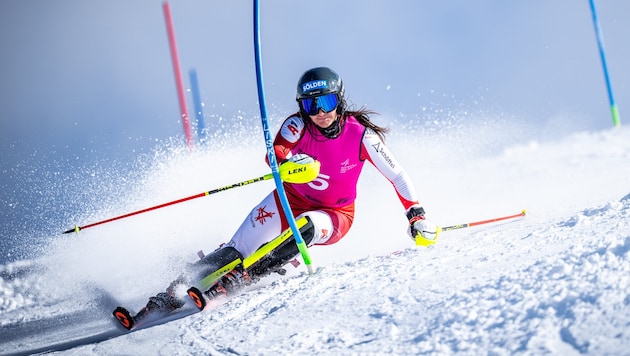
[[299, 168], [422, 231]]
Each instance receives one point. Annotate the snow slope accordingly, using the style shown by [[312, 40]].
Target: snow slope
[[554, 282]]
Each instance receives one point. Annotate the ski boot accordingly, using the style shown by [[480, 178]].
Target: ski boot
[[162, 303], [228, 285]]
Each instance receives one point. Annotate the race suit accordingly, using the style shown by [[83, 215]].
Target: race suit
[[329, 199]]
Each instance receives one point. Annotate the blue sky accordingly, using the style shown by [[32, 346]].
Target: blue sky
[[99, 72], [91, 82]]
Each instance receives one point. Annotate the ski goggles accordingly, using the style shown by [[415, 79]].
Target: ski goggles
[[326, 102]]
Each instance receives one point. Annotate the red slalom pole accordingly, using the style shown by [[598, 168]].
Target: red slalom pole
[[461, 226], [178, 74]]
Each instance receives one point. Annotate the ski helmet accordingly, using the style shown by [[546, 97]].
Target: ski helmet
[[319, 81]]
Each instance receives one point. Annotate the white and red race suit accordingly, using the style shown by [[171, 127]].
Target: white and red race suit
[[329, 199]]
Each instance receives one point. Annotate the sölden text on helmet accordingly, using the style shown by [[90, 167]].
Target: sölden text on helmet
[[314, 85]]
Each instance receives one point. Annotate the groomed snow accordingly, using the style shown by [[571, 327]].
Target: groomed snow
[[554, 282]]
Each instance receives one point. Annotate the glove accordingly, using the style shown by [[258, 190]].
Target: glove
[[421, 230], [300, 168]]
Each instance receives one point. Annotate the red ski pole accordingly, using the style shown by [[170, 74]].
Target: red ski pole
[[461, 226], [291, 172]]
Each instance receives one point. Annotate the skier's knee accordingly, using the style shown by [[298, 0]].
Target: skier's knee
[[320, 228]]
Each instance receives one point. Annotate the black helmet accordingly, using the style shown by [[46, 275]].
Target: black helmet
[[319, 81]]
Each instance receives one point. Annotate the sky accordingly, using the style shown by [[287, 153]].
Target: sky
[[88, 86]]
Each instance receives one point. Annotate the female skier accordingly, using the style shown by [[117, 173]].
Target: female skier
[[342, 140]]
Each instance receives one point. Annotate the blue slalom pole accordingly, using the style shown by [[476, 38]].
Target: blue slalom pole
[[600, 42], [194, 86], [271, 155]]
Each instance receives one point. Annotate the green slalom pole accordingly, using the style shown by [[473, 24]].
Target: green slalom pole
[[600, 42]]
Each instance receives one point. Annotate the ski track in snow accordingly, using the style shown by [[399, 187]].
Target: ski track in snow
[[554, 282]]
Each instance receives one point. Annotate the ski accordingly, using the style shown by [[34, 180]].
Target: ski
[[225, 274]]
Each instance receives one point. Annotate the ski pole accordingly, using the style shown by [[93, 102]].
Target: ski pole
[[461, 226], [290, 172]]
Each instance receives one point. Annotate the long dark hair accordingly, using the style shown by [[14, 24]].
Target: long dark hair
[[343, 110], [363, 116]]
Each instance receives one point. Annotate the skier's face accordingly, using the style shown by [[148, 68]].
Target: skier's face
[[324, 119]]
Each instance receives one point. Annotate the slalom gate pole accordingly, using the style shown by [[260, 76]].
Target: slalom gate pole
[[293, 173], [198, 105], [269, 143], [600, 42], [179, 82], [471, 224]]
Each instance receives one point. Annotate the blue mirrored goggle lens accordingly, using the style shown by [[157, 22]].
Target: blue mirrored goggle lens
[[326, 102]]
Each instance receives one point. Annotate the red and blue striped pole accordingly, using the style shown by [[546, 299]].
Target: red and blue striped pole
[[600, 42]]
